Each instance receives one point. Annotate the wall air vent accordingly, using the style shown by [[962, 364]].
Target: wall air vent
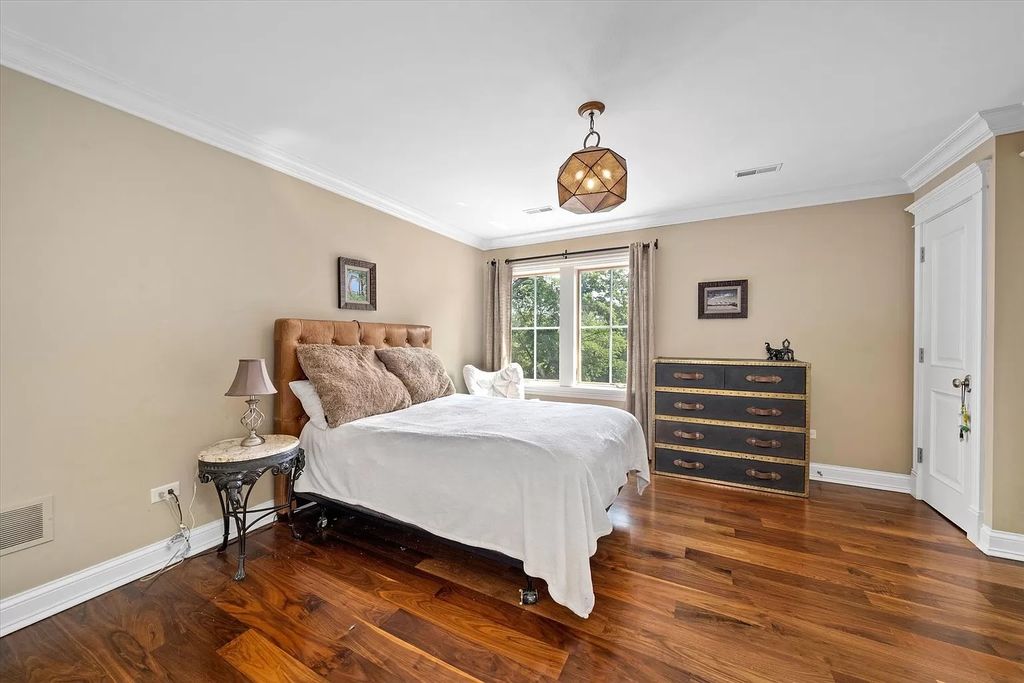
[[25, 525], [758, 171], [539, 209]]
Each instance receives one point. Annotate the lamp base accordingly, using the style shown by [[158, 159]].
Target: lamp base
[[252, 440], [251, 420]]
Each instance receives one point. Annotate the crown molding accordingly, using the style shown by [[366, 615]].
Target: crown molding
[[953, 192], [29, 56], [974, 131], [796, 200]]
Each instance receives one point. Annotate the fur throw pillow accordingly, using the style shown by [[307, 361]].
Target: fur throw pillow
[[420, 370], [351, 382]]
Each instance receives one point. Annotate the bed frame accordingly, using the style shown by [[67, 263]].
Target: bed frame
[[289, 417]]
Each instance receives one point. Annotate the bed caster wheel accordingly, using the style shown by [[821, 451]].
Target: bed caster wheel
[[527, 596], [321, 523]]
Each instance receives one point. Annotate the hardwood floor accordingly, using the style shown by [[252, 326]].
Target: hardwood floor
[[696, 583]]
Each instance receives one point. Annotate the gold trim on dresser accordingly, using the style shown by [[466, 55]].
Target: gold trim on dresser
[[734, 361], [721, 484], [730, 392], [731, 454], [728, 423]]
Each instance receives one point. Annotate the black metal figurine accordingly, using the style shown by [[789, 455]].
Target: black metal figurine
[[783, 354]]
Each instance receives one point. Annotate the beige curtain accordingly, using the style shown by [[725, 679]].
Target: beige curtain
[[498, 316], [640, 343]]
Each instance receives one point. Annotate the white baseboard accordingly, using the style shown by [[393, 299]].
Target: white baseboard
[[43, 601], [1001, 543], [855, 476]]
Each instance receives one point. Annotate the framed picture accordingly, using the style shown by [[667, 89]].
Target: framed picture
[[723, 299], [357, 284]]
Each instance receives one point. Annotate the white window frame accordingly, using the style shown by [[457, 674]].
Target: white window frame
[[568, 385], [535, 327]]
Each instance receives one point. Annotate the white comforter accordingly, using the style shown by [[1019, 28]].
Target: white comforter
[[528, 479]]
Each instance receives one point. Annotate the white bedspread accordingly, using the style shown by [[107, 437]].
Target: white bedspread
[[529, 479]]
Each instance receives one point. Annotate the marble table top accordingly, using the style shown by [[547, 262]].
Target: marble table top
[[231, 450]]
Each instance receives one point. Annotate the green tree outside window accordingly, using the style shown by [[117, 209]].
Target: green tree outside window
[[604, 301], [535, 320]]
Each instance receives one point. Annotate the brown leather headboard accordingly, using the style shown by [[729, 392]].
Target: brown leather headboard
[[289, 417]]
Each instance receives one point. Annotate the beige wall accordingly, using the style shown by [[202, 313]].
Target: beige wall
[[137, 266], [837, 280], [1008, 404]]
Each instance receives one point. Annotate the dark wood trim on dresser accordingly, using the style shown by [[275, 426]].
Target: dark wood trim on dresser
[[732, 422]]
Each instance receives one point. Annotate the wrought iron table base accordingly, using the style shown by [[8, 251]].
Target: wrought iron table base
[[234, 503]]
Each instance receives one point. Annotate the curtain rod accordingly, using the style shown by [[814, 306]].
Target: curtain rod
[[566, 254]]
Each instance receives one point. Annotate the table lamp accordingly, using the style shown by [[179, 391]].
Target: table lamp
[[252, 380]]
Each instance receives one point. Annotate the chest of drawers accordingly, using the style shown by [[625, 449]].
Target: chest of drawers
[[743, 423]]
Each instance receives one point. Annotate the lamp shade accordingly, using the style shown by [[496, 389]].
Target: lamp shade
[[592, 180], [251, 379]]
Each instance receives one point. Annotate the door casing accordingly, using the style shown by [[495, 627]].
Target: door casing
[[970, 184]]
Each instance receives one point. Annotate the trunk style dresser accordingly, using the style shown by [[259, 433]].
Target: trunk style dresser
[[742, 423]]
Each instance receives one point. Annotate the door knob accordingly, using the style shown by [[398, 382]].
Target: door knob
[[964, 383]]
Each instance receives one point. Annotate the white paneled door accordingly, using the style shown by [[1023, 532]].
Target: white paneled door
[[949, 334]]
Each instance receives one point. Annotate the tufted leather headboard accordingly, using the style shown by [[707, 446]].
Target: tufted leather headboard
[[289, 417]]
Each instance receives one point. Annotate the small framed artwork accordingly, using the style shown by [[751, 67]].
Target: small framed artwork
[[723, 299], [357, 284]]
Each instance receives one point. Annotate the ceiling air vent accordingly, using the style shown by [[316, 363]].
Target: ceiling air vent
[[25, 525], [539, 209], [758, 171]]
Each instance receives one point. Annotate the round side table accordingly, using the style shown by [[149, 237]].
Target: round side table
[[232, 467]]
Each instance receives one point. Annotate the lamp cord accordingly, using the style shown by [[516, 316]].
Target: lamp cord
[[181, 554]]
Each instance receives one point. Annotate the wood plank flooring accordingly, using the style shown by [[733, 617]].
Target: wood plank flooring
[[696, 583]]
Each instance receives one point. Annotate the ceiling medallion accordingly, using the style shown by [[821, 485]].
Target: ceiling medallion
[[594, 178]]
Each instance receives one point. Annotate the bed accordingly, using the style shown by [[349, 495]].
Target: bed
[[488, 473]]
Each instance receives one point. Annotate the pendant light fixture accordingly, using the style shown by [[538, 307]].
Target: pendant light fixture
[[592, 179]]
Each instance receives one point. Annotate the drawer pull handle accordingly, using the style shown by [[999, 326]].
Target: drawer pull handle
[[757, 474], [692, 436], [764, 379], [688, 465], [761, 443], [764, 412], [680, 405], [689, 375]]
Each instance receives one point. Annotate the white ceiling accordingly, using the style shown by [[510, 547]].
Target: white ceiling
[[458, 115]]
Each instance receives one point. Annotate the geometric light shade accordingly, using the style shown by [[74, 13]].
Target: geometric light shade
[[592, 180]]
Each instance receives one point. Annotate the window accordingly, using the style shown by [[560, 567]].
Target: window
[[604, 301], [569, 322], [535, 312]]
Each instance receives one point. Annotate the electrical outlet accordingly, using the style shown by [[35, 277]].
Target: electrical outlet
[[814, 433], [159, 494]]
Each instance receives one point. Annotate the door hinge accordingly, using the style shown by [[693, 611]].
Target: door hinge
[[920, 355], [922, 254], [920, 455]]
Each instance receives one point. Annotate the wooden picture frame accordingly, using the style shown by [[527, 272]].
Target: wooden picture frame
[[722, 299], [357, 284]]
